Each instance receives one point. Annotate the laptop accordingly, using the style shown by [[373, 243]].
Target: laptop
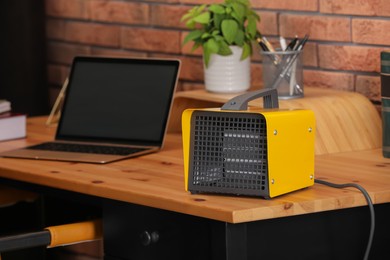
[[114, 108]]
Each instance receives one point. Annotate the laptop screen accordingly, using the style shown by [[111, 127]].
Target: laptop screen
[[118, 100]]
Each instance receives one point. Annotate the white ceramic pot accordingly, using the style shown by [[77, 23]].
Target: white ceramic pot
[[228, 74]]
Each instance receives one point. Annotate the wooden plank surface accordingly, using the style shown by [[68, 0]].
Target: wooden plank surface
[[157, 180], [346, 121]]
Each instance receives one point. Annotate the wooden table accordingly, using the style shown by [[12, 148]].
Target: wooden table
[[152, 187]]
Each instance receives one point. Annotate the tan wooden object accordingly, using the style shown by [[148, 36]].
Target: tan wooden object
[[346, 121], [157, 180]]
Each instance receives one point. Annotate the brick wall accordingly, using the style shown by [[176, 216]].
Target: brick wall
[[346, 37]]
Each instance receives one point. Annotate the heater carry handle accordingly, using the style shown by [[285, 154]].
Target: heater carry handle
[[270, 100]]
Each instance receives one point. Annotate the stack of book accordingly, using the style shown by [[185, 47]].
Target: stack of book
[[12, 125]]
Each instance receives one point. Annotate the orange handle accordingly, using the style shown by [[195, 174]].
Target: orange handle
[[75, 233]]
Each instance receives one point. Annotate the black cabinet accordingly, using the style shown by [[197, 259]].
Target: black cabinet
[[138, 232]]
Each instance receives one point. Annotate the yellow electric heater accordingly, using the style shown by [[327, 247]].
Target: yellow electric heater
[[248, 151]]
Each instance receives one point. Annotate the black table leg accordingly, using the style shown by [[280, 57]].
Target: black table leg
[[229, 241]]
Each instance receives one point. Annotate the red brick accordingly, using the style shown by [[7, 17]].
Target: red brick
[[256, 55], [67, 8], [198, 2], [310, 55], [371, 31], [325, 79], [256, 76], [53, 94], [301, 5], [120, 12], [64, 52], [369, 86], [356, 7], [179, 86], [355, 58], [117, 53], [168, 15], [55, 29], [56, 74], [164, 56], [268, 24], [91, 33], [153, 40], [192, 69], [325, 28]]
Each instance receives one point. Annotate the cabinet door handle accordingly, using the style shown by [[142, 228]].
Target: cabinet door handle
[[148, 238]]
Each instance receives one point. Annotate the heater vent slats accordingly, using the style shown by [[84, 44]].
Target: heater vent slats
[[228, 153]]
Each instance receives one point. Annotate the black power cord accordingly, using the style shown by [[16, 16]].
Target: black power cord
[[369, 203]]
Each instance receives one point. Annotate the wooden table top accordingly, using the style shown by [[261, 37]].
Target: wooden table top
[[157, 180]]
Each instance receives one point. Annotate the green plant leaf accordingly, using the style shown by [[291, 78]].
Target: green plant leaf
[[203, 18], [218, 19], [255, 15], [239, 10], [215, 27], [185, 17], [206, 57], [217, 9], [246, 51], [239, 19], [251, 27], [193, 10], [244, 2], [190, 24], [224, 49], [201, 8], [228, 9], [229, 29], [219, 38], [192, 36], [205, 35], [240, 37], [212, 46]]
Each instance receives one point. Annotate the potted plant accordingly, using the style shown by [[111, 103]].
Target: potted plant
[[225, 31]]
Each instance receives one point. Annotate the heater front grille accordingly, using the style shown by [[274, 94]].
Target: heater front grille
[[228, 153]]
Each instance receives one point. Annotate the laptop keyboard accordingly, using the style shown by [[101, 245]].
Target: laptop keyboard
[[86, 148]]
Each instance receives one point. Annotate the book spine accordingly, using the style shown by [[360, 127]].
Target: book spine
[[385, 93]]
